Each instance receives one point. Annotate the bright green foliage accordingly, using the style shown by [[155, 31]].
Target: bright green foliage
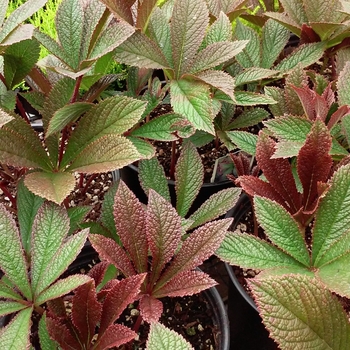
[[162, 338], [45, 259]]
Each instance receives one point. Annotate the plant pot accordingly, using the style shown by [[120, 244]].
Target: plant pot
[[129, 175]]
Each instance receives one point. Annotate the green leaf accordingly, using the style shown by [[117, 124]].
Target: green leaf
[[218, 204], [63, 257], [4, 117], [192, 100], [7, 292], [220, 30], [46, 343], [246, 98], [145, 149], [249, 117], [303, 56], [152, 176], [76, 217], [52, 186], [16, 334], [343, 85], [281, 229], [300, 313], [65, 115], [248, 251], [274, 39], [188, 26], [62, 287], [107, 218], [9, 307], [162, 338], [107, 153], [189, 175], [28, 204], [278, 95], [252, 74], [244, 140], [12, 260]]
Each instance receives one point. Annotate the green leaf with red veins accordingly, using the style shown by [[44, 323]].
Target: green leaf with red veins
[[295, 10], [130, 220], [186, 283], [114, 115], [219, 80], [121, 9], [118, 298], [111, 251], [189, 175], [86, 312], [163, 230], [218, 204], [201, 243], [107, 153], [16, 334], [151, 308], [188, 26], [162, 338], [140, 51], [114, 336], [191, 98], [12, 260], [50, 227], [281, 228], [220, 30], [52, 186], [152, 176], [64, 256], [300, 313], [278, 172], [343, 85], [314, 163]]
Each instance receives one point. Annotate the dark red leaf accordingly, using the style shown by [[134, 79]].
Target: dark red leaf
[[57, 308], [337, 115], [98, 271], [114, 336], [242, 164], [308, 35], [151, 308], [307, 98]]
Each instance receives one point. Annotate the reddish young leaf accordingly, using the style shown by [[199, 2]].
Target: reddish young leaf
[[314, 163], [130, 222], [278, 172], [114, 336], [111, 251], [86, 312], [186, 283], [328, 95], [308, 35], [337, 115], [163, 227], [151, 308], [118, 298], [98, 271], [242, 164], [56, 308], [307, 99], [321, 107]]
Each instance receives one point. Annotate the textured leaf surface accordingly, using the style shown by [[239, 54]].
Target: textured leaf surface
[[300, 313], [244, 140], [107, 217], [16, 334], [218, 204], [162, 338], [116, 335], [246, 98], [52, 186], [343, 85], [12, 260], [249, 117], [151, 308], [4, 117], [9, 307], [46, 343], [188, 25], [152, 176], [8, 292], [281, 229], [189, 173], [192, 100], [129, 218], [163, 228]]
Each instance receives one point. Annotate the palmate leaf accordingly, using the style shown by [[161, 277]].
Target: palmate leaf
[[188, 178], [162, 338], [130, 222], [16, 334], [54, 186], [191, 99], [163, 230], [300, 313], [152, 176], [188, 25], [12, 260]]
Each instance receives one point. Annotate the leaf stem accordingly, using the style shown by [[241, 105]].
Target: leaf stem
[[22, 110]]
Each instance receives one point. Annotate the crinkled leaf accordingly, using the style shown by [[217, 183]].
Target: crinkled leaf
[[145, 149], [12, 260], [115, 335], [188, 178], [16, 334], [162, 338], [300, 312], [249, 117], [191, 99], [188, 25], [152, 176], [218, 204], [53, 186], [163, 229], [246, 98], [220, 30], [151, 308], [129, 218], [244, 141], [186, 283], [252, 74], [8, 292]]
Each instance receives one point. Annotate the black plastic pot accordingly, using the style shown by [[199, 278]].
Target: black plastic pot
[[130, 175]]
